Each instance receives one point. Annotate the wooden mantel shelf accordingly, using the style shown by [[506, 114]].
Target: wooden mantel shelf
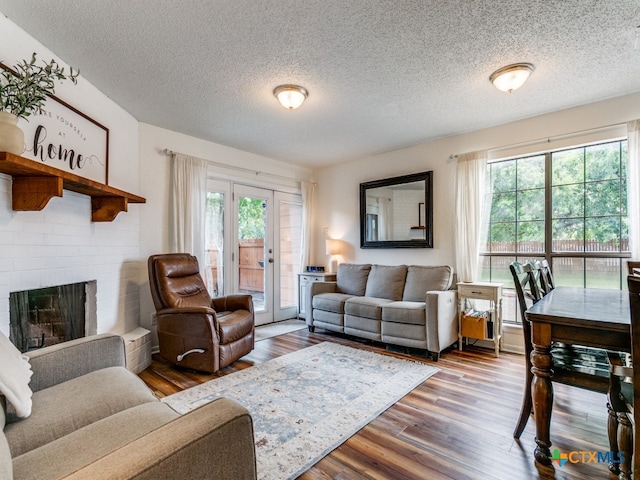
[[34, 184]]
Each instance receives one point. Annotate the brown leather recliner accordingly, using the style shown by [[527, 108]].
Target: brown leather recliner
[[194, 330]]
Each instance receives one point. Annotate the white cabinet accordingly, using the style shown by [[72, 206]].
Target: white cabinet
[[303, 280]]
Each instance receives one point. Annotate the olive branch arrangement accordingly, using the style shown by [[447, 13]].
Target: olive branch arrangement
[[25, 88]]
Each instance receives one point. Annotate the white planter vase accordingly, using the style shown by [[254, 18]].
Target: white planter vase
[[11, 136]]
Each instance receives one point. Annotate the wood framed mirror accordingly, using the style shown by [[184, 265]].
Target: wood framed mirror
[[397, 212]]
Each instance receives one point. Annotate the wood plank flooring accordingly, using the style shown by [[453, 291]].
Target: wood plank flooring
[[456, 425]]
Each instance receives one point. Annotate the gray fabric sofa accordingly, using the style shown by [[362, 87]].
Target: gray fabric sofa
[[407, 305], [94, 419]]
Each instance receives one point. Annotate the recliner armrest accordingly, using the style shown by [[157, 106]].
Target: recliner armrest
[[64, 361], [231, 303], [213, 441]]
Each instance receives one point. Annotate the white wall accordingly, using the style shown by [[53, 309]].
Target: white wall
[[60, 244], [338, 185], [154, 186]]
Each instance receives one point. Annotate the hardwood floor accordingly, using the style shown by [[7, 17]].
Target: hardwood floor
[[456, 425]]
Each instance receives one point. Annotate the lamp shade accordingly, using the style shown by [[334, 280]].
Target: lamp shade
[[511, 77], [290, 96], [333, 246]]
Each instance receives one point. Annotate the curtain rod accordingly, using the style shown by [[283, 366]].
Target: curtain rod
[[541, 141], [166, 151]]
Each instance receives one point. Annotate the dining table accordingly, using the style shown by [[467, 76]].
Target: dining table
[[590, 317]]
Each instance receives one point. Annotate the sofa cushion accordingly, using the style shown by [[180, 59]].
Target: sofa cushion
[[330, 302], [367, 307], [352, 278], [386, 281], [66, 407], [91, 442], [421, 279], [405, 312], [362, 327], [328, 320], [413, 336]]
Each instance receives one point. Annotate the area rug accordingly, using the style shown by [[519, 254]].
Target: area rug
[[278, 328], [305, 404]]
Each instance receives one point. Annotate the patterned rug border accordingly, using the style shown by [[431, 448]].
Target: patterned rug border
[[316, 441]]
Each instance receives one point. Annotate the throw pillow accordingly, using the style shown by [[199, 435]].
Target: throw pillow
[[15, 375]]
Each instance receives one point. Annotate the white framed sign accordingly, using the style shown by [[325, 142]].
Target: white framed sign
[[65, 138]]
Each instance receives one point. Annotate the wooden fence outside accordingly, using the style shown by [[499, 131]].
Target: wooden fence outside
[[590, 246], [251, 254]]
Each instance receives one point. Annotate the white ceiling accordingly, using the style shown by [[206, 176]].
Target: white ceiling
[[381, 74]]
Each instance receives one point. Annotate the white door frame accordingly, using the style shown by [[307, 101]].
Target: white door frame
[[230, 189]]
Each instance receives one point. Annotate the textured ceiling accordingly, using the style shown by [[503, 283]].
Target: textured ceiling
[[381, 75]]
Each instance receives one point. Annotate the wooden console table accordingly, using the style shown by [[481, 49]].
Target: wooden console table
[[34, 184]]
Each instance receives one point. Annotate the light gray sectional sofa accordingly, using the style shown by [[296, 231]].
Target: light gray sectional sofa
[[92, 418], [407, 305]]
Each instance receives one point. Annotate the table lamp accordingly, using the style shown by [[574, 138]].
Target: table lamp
[[333, 249]]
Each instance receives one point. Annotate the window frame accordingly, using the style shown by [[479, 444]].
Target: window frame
[[548, 253]]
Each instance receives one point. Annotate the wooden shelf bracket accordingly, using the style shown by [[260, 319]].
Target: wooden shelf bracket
[[105, 209], [33, 193]]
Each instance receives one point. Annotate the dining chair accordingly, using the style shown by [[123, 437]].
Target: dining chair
[[631, 265], [547, 281], [633, 283], [578, 366], [526, 289], [624, 397]]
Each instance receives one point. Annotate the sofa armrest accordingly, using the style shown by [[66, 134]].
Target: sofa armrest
[[213, 441], [64, 361], [442, 319], [315, 288]]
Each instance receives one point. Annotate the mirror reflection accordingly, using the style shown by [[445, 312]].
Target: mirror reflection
[[396, 212]]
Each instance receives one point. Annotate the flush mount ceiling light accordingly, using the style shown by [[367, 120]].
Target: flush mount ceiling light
[[511, 77], [290, 96]]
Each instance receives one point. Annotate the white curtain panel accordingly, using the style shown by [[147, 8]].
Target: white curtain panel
[[469, 206], [385, 222], [187, 206], [633, 186], [308, 212]]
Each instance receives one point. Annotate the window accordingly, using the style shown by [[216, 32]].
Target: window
[[566, 206]]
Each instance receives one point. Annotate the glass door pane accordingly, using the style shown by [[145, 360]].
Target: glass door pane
[[287, 256], [216, 225], [254, 272]]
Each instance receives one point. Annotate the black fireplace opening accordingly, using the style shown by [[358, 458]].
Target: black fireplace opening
[[50, 315]]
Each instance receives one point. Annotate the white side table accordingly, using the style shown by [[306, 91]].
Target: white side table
[[480, 327]]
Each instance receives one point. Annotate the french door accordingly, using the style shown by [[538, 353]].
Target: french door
[[253, 247]]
